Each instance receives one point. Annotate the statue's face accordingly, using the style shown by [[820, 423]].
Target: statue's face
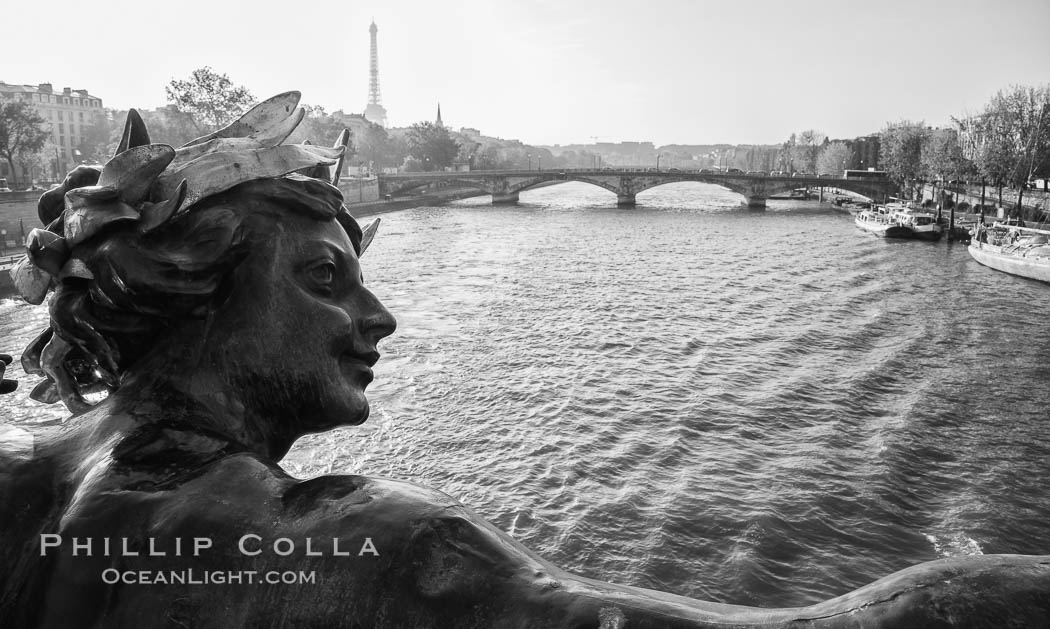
[[297, 337]]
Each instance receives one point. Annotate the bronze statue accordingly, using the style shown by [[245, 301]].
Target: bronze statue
[[208, 310]]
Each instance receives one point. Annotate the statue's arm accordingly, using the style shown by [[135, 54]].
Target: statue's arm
[[413, 557], [448, 564]]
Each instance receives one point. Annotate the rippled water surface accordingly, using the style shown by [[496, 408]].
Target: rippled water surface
[[765, 408]]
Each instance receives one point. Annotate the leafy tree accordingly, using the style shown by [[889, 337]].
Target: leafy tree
[[23, 131], [488, 157], [805, 148], [1010, 140], [319, 127], [942, 157], [167, 125], [468, 152], [900, 152], [38, 164], [834, 158], [98, 141], [379, 149], [209, 98], [432, 145]]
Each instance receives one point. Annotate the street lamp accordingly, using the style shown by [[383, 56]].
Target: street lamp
[[657, 161]]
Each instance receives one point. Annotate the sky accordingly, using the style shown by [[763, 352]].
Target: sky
[[560, 71]]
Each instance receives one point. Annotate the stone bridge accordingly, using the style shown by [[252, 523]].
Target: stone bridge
[[505, 185]]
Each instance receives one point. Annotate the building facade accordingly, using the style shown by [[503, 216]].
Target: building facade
[[69, 113], [865, 152]]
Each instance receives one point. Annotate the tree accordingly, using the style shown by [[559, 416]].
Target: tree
[[1010, 140], [23, 131], [942, 157], [900, 152], [834, 158], [99, 140], [37, 164], [805, 148], [210, 99], [488, 157], [319, 127], [379, 149], [432, 145]]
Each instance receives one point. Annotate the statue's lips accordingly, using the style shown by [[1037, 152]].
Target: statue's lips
[[360, 364]]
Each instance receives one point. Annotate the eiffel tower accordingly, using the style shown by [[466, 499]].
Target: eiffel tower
[[374, 112]]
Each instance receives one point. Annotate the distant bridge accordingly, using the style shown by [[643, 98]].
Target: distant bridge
[[626, 183]]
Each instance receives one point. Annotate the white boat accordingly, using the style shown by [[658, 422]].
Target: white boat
[[898, 221], [1022, 251], [875, 220]]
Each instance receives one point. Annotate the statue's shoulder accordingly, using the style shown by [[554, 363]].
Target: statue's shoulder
[[338, 495]]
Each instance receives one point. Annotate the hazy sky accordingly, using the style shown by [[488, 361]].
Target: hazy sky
[[548, 71]]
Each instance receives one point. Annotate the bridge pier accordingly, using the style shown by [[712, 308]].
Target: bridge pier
[[625, 200], [756, 203], [508, 198]]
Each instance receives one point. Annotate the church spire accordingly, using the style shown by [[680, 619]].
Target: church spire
[[438, 122]]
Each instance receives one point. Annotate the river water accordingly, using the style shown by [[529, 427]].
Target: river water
[[754, 407]]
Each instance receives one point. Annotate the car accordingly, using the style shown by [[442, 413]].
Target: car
[[734, 170], [757, 172], [708, 171]]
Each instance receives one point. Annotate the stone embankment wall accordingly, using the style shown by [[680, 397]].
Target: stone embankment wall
[[1035, 202], [364, 190], [436, 197]]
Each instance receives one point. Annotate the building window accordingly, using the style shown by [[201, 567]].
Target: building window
[[62, 140], [81, 117], [61, 128]]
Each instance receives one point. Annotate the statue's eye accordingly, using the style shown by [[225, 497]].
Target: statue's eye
[[322, 274]]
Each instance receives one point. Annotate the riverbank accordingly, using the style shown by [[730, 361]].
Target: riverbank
[[1035, 203], [437, 197]]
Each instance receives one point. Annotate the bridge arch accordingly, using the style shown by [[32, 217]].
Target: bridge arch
[[564, 179], [772, 186]]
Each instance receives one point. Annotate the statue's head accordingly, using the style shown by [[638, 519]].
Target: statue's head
[[232, 257]]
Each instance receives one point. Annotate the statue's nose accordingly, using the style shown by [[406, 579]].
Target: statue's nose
[[377, 322]]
